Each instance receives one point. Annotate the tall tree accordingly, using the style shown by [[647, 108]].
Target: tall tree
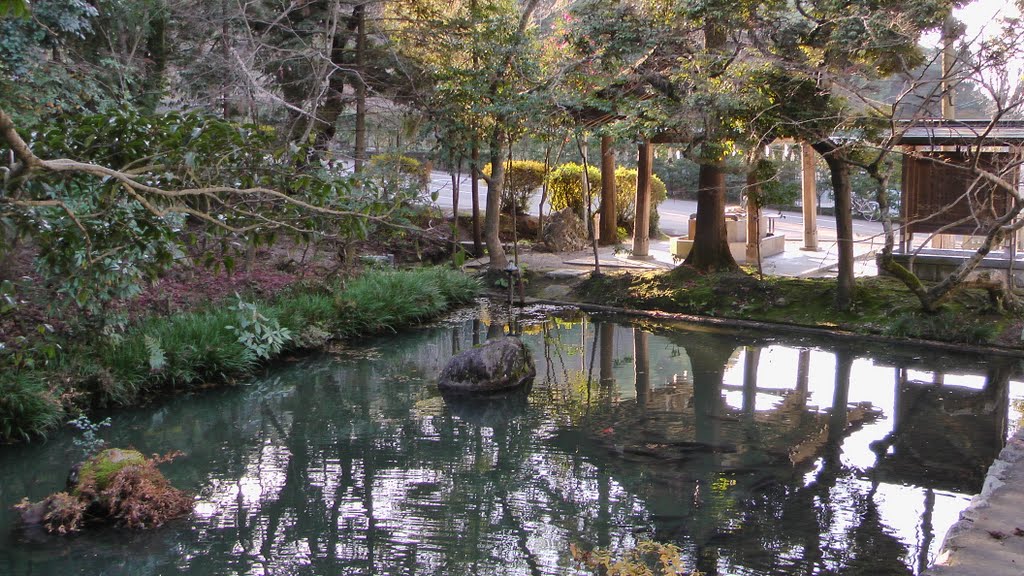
[[479, 56]]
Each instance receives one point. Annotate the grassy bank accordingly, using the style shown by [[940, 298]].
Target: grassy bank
[[882, 306], [219, 344]]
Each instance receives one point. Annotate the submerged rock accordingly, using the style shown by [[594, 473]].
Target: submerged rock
[[496, 365]]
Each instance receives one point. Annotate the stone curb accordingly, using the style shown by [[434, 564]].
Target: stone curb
[[988, 539]]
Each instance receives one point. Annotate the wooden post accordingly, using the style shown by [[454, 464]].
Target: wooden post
[[644, 171], [609, 230], [810, 198]]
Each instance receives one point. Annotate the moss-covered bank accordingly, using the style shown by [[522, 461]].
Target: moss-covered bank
[[881, 306], [218, 344]]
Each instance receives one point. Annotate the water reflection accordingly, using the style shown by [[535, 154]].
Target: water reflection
[[756, 457]]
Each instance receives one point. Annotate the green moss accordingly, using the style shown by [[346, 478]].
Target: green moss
[[881, 305], [97, 471]]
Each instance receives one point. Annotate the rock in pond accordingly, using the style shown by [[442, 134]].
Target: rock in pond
[[117, 486], [494, 366]]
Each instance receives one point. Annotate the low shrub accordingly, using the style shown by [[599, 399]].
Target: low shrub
[[625, 198], [522, 179], [397, 176], [566, 190], [565, 187]]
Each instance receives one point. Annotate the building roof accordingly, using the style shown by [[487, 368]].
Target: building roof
[[965, 132]]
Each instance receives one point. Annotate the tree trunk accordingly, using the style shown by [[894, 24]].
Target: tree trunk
[[334, 102], [474, 188], [495, 187], [359, 147], [156, 53], [710, 241], [842, 189], [543, 194], [609, 226]]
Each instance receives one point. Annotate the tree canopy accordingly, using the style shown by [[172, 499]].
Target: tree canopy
[[141, 123]]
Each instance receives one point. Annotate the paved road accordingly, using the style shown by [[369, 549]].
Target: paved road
[[675, 214]]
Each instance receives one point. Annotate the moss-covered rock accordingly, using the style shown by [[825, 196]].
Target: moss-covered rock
[[497, 365], [116, 486], [96, 472]]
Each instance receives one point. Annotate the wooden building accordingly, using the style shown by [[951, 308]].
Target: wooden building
[[946, 209]]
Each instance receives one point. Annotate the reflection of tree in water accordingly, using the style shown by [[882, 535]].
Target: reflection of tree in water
[[352, 484], [359, 467], [726, 483]]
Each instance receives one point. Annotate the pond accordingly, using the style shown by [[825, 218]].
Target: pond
[[753, 454]]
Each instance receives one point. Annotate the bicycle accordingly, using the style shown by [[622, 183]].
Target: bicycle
[[868, 209]]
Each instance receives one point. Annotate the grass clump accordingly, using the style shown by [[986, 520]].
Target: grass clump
[[170, 353], [310, 316], [27, 406], [387, 300], [224, 342]]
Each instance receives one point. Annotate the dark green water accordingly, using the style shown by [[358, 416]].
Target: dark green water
[[755, 456]]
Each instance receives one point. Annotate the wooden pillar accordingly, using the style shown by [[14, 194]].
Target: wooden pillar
[[810, 198], [609, 229], [644, 171]]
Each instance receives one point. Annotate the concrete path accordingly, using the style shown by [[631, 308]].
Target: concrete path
[[792, 262]]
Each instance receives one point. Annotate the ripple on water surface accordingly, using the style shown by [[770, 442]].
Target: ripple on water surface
[[753, 455]]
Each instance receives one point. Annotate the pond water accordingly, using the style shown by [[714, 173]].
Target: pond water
[[754, 455]]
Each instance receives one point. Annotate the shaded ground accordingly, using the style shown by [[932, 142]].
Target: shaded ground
[[881, 305], [43, 313]]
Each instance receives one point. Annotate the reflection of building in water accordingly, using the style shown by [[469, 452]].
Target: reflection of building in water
[[946, 434], [688, 416]]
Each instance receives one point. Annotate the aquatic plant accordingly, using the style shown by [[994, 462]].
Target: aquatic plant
[[89, 442]]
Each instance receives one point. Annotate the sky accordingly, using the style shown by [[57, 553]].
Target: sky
[[980, 17]]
